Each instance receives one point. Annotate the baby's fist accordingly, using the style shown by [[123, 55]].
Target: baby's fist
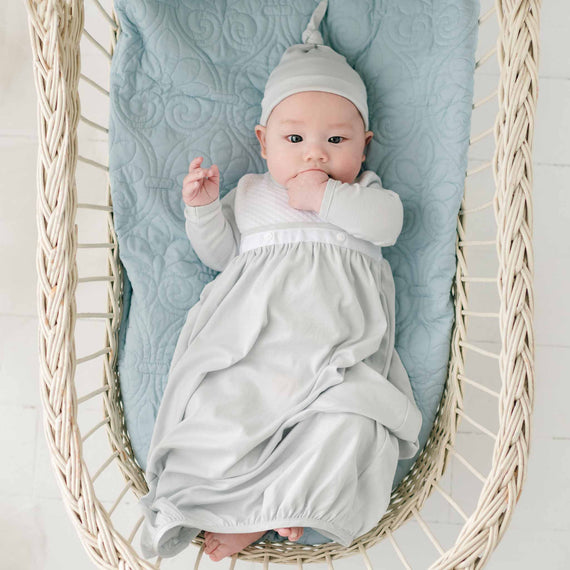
[[307, 189]]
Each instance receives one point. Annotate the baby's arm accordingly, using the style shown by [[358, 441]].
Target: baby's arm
[[213, 232], [364, 209]]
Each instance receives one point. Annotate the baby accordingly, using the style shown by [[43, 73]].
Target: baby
[[287, 407], [310, 137]]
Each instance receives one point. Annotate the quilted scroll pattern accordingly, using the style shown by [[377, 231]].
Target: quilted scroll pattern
[[187, 80]]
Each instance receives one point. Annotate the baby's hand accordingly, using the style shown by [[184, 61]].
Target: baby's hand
[[306, 190], [201, 186]]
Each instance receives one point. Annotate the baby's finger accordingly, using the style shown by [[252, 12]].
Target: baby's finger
[[197, 174], [195, 163], [214, 172], [209, 173], [190, 183], [194, 185]]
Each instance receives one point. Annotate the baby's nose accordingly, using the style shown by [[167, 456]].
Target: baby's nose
[[316, 152]]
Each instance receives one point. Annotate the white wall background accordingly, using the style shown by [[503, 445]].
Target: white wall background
[[35, 532]]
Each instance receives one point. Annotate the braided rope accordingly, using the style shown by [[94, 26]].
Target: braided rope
[[512, 166], [55, 30], [55, 27]]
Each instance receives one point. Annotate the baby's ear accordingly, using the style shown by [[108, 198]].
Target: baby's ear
[[260, 134], [367, 138]]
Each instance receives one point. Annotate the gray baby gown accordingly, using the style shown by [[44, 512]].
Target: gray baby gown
[[286, 403]]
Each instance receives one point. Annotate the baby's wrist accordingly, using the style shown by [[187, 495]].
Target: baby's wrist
[[196, 214], [199, 203]]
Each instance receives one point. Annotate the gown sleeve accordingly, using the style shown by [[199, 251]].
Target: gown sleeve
[[364, 209], [213, 232]]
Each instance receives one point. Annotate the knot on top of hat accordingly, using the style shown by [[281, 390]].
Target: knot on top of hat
[[311, 35]]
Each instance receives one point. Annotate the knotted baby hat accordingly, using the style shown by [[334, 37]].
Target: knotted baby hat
[[312, 66]]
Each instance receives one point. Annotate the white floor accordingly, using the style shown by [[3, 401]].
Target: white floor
[[35, 532]]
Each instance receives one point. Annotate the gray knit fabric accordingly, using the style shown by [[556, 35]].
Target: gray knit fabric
[[312, 66]]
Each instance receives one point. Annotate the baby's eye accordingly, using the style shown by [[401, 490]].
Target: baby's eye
[[294, 138], [335, 140]]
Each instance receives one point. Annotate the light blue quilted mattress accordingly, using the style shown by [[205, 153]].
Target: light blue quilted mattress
[[187, 80]]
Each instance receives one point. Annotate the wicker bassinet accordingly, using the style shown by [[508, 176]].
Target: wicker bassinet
[[78, 266]]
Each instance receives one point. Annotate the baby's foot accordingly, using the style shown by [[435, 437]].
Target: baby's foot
[[292, 533], [220, 545]]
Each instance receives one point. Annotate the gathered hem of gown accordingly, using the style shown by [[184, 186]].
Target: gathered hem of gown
[[173, 532]]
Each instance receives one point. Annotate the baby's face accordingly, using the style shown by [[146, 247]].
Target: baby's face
[[314, 130]]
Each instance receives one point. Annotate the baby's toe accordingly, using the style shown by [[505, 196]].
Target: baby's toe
[[211, 545], [217, 556], [218, 552], [283, 531], [295, 533]]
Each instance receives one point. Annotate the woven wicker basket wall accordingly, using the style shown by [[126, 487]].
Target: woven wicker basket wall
[[78, 266]]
